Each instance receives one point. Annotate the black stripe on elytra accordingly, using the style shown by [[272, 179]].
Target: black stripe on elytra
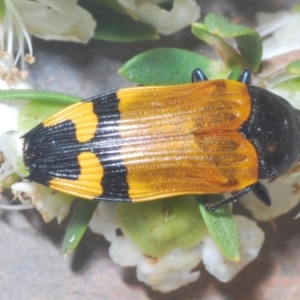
[[106, 145], [52, 152]]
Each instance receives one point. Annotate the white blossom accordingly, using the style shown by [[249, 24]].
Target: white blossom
[[104, 220], [285, 195], [47, 19], [164, 274], [176, 268], [182, 14], [284, 29], [49, 203]]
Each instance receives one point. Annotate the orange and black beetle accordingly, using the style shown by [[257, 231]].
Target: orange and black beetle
[[146, 143]]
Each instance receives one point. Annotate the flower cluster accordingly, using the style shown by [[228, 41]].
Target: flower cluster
[[49, 20], [182, 14], [175, 268]]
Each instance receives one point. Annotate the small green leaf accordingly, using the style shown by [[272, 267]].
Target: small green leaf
[[248, 40], [38, 95], [78, 225], [33, 113], [120, 28], [229, 56], [111, 4], [42, 105], [235, 74], [9, 180], [168, 66], [2, 10], [158, 227], [293, 68], [222, 228], [291, 85]]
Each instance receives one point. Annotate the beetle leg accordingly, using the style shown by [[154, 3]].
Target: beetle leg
[[198, 75], [245, 77], [229, 200], [262, 193]]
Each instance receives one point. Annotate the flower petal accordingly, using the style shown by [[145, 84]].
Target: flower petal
[[8, 117], [285, 194], [65, 6], [285, 38], [251, 239], [182, 14], [50, 204], [104, 220], [124, 253], [77, 26], [171, 271]]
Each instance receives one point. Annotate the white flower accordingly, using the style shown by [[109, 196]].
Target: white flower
[[284, 27], [285, 195], [183, 13], [47, 19], [49, 203], [176, 268], [164, 274], [104, 220], [251, 238]]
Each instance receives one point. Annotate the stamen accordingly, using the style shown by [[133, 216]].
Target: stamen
[[29, 58]]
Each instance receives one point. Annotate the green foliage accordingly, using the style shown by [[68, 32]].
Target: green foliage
[[167, 66], [78, 224], [248, 40], [159, 226], [115, 27], [40, 105], [291, 85], [2, 10], [111, 4], [221, 227], [293, 68]]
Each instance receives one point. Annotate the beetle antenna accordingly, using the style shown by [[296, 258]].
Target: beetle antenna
[[198, 75], [245, 77]]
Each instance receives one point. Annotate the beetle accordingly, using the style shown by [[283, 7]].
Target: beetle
[[146, 143]]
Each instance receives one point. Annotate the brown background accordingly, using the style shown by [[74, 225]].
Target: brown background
[[31, 262]]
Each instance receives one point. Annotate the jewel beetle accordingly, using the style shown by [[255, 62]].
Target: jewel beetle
[[145, 143]]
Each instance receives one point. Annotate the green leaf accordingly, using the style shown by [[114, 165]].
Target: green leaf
[[2, 10], [33, 113], [38, 95], [229, 56], [10, 180], [157, 227], [248, 40], [291, 85], [168, 66], [222, 228], [42, 105], [111, 4], [293, 68], [78, 224], [120, 28]]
